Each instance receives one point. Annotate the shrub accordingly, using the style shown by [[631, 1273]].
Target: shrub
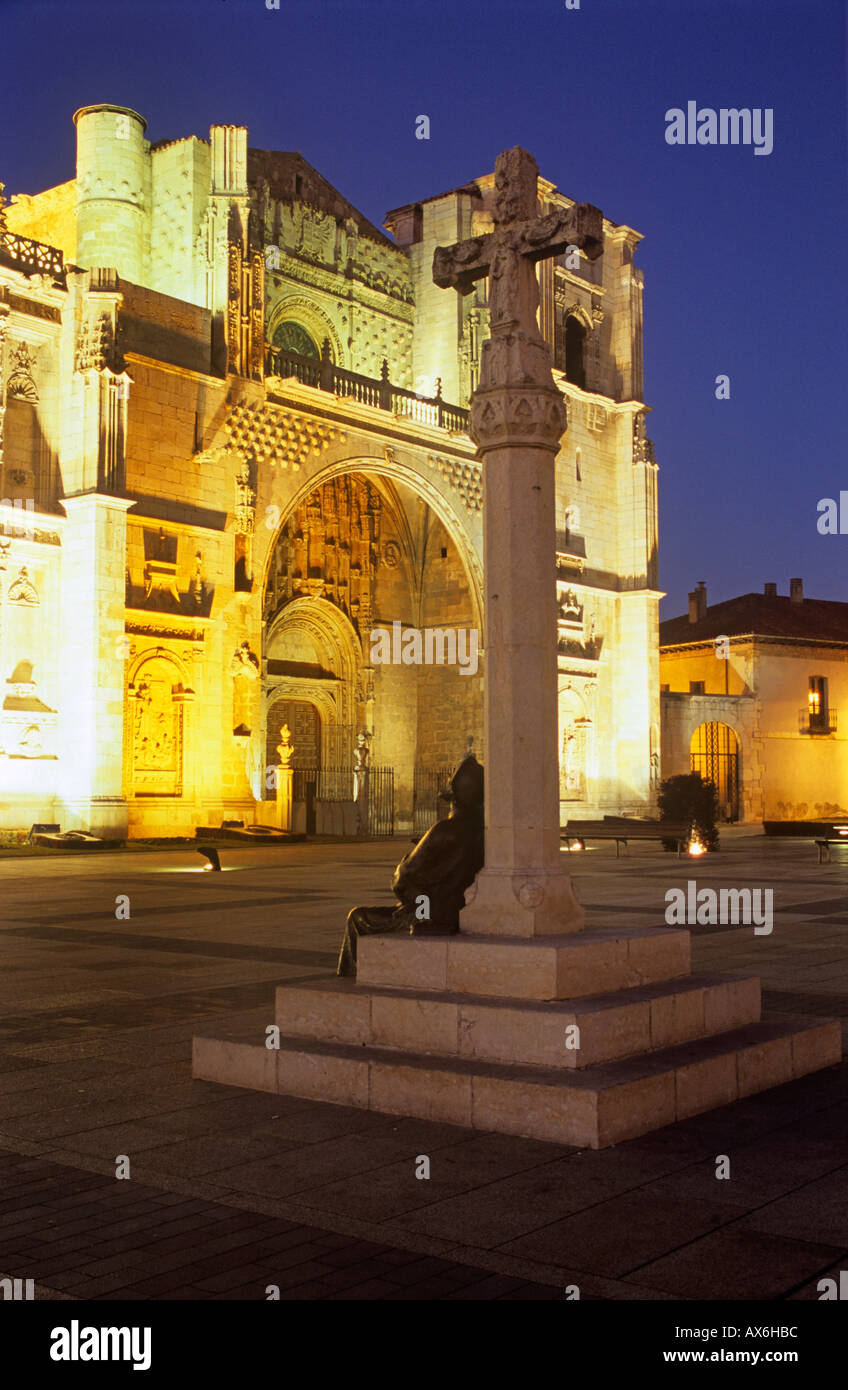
[[687, 798]]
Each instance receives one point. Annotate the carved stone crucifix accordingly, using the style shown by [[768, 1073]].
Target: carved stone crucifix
[[517, 421], [509, 255], [519, 240]]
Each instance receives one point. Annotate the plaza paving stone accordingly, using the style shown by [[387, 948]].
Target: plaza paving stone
[[232, 1191]]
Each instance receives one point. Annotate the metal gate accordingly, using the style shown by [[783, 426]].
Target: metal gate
[[381, 802], [714, 752], [426, 806], [311, 784]]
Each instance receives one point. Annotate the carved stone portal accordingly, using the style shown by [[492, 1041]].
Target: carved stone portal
[[157, 730]]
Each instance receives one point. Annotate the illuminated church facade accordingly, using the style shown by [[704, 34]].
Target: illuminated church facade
[[233, 443]]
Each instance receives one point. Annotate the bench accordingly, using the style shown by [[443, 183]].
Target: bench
[[836, 835], [622, 830]]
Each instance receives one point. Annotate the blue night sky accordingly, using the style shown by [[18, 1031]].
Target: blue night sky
[[744, 255]]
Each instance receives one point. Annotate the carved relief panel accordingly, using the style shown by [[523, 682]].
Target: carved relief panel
[[157, 701]]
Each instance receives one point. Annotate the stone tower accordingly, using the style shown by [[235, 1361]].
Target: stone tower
[[113, 190]]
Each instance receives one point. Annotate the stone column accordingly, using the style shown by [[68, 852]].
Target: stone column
[[94, 650], [524, 889]]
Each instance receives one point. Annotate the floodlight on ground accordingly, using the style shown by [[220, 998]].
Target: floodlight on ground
[[213, 858]]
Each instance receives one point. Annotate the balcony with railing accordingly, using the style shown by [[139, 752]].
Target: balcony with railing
[[323, 374], [817, 721], [31, 257]]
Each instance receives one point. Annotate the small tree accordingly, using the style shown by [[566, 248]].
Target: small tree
[[689, 800]]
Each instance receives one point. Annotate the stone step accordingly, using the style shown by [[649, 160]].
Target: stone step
[[551, 967], [612, 1025], [592, 1107]]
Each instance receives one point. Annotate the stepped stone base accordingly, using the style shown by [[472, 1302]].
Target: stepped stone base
[[408, 1037]]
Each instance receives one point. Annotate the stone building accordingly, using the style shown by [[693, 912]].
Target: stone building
[[234, 443], [750, 696]]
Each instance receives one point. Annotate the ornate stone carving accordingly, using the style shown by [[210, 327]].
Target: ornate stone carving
[[643, 448], [21, 385], [284, 747], [317, 234], [570, 609], [244, 669], [245, 662], [22, 590], [516, 402], [25, 718], [196, 587], [284, 437], [157, 728], [465, 476], [329, 547], [151, 628], [245, 502], [96, 344], [5, 548], [245, 317]]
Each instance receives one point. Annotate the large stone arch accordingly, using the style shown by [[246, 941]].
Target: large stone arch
[[407, 474], [331, 638], [415, 718]]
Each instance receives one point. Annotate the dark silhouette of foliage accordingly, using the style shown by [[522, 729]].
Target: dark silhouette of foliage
[[687, 798]]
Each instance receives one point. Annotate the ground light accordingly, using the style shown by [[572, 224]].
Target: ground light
[[213, 857]]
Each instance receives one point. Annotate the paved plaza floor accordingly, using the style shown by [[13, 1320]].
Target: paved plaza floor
[[231, 1191]]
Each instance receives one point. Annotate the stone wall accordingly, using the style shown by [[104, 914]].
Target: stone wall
[[450, 704]]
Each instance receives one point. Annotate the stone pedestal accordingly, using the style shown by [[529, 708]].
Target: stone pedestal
[[585, 1038], [285, 778]]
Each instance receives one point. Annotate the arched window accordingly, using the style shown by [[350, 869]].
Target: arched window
[[575, 334], [293, 337]]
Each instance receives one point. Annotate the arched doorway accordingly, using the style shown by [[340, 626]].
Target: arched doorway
[[714, 752], [360, 555]]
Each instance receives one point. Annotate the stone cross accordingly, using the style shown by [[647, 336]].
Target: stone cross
[[509, 254], [517, 421]]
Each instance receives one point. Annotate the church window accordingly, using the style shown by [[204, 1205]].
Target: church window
[[696, 688], [293, 337]]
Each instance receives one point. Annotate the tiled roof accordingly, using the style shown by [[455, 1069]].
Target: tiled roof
[[818, 620]]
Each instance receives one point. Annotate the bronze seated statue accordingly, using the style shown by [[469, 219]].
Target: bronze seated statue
[[431, 880]]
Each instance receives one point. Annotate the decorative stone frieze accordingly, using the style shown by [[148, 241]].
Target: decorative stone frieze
[[464, 476], [283, 437]]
